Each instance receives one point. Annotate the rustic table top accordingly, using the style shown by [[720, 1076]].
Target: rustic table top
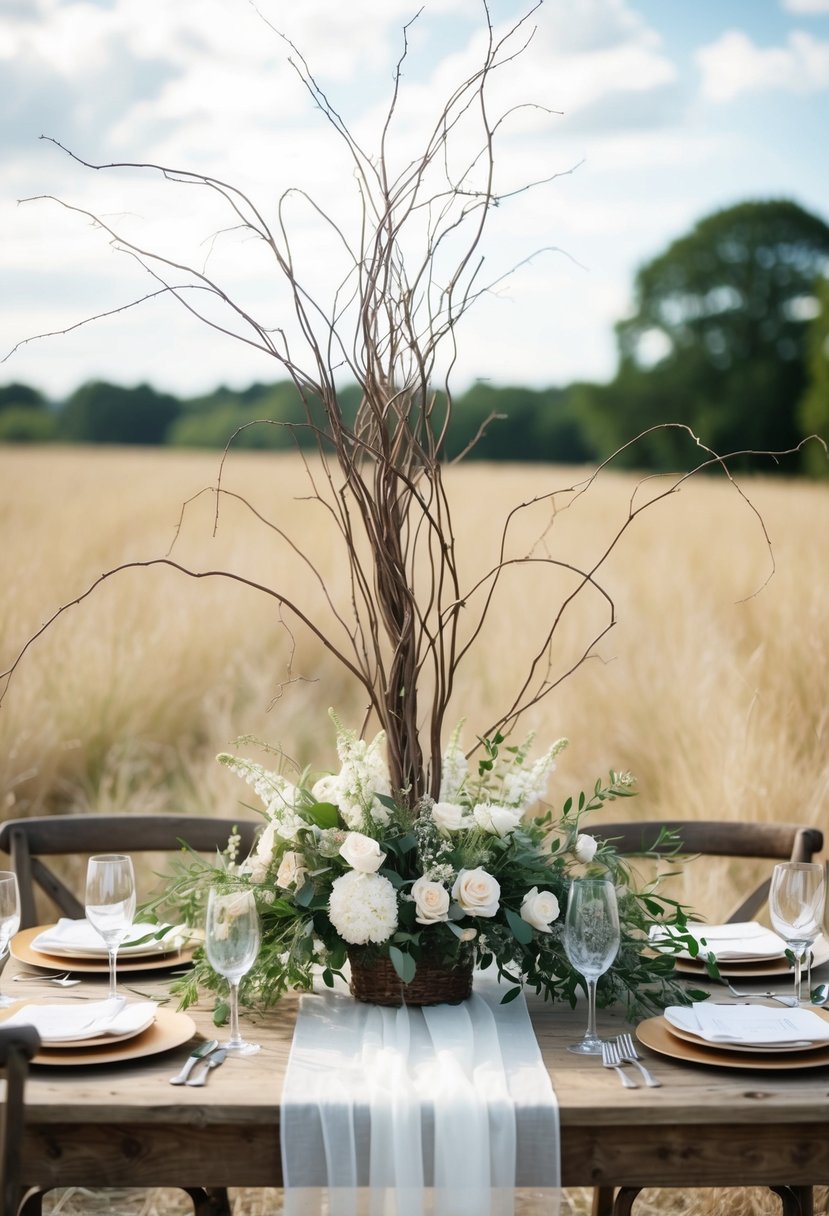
[[123, 1124]]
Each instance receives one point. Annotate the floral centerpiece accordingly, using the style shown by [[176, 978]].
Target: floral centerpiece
[[343, 869]]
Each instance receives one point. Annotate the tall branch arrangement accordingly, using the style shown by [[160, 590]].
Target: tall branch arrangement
[[413, 271]]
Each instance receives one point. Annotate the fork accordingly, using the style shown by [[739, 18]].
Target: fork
[[611, 1058], [627, 1050], [63, 979], [788, 1001]]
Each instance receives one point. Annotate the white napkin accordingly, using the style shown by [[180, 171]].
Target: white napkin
[[90, 1020], [750, 1025], [68, 935], [736, 940]]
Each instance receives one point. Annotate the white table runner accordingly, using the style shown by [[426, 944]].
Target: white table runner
[[403, 1112]]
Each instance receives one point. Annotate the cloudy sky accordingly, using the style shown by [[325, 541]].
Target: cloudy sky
[[652, 113]]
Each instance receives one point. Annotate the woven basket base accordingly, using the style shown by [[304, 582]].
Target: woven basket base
[[377, 983]]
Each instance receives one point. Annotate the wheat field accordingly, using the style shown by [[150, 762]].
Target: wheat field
[[711, 687]]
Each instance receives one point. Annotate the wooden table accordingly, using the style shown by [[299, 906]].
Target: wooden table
[[125, 1125]]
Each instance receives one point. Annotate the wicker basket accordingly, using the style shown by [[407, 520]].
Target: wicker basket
[[375, 981]]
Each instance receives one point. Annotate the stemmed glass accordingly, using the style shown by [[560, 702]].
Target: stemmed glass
[[9, 919], [232, 943], [110, 902], [796, 904], [591, 942]]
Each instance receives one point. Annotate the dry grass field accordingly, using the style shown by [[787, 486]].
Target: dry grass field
[[711, 687]]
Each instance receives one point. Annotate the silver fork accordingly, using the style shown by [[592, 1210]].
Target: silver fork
[[627, 1050], [612, 1059], [788, 1001], [63, 979]]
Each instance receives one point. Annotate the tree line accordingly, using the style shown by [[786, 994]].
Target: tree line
[[729, 335]]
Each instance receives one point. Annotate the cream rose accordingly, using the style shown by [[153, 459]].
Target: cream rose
[[431, 901], [499, 820], [585, 848], [448, 816], [540, 909], [477, 892], [292, 871], [362, 853]]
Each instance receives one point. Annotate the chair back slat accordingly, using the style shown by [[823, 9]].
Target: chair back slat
[[717, 838], [29, 841]]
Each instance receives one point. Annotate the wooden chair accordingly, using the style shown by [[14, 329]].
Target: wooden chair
[[17, 1046], [28, 841], [713, 838]]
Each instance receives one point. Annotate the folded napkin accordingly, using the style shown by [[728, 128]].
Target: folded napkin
[[68, 935], [91, 1020], [737, 940], [750, 1025]]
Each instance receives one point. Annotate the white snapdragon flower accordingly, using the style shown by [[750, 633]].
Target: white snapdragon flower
[[275, 791], [540, 909], [498, 820], [362, 852], [584, 850], [431, 901], [363, 908], [524, 787], [363, 775], [454, 768], [477, 892]]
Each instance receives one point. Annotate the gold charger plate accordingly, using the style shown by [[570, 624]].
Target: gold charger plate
[[755, 968], [72, 1044], [170, 1029], [21, 948], [689, 1037], [655, 1033]]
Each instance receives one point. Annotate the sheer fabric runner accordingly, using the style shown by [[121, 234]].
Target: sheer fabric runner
[[410, 1112]]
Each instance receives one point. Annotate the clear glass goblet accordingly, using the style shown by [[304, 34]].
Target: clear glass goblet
[[591, 942], [232, 943], [110, 902], [796, 905], [9, 920]]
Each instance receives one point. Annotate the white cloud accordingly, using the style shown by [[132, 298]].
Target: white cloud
[[808, 7], [734, 64]]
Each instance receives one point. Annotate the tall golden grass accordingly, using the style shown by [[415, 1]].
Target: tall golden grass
[[714, 696], [710, 688]]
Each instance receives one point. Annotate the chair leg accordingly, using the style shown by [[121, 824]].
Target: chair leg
[[624, 1200], [603, 1201], [208, 1201], [796, 1200], [32, 1202]]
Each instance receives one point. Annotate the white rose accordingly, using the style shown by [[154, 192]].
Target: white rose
[[500, 820], [292, 871], [585, 848], [327, 789], [362, 853], [477, 892], [540, 909], [431, 901], [448, 816]]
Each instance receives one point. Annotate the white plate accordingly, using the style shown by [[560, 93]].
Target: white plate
[[98, 1041], [682, 1032], [757, 968], [151, 949]]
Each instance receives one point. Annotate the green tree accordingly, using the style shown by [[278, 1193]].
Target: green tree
[[528, 424], [813, 412], [21, 396], [108, 413], [718, 336]]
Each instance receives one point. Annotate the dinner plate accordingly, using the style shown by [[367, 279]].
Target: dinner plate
[[756, 968], [656, 1034], [71, 1044], [781, 1048], [21, 948], [170, 1029]]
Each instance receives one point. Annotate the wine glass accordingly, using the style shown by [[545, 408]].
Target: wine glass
[[9, 919], [796, 904], [591, 942], [110, 902], [232, 943]]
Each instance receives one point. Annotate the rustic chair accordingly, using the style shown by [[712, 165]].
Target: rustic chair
[[713, 838], [17, 1046], [28, 841]]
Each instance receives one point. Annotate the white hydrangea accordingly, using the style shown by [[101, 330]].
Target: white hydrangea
[[363, 908]]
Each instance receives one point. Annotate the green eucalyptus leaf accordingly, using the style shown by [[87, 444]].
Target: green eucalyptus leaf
[[521, 931], [323, 814], [404, 964]]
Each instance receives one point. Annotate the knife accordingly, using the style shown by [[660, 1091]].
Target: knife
[[198, 1053], [212, 1061]]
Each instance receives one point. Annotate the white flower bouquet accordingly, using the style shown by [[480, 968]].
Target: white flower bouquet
[[344, 870]]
